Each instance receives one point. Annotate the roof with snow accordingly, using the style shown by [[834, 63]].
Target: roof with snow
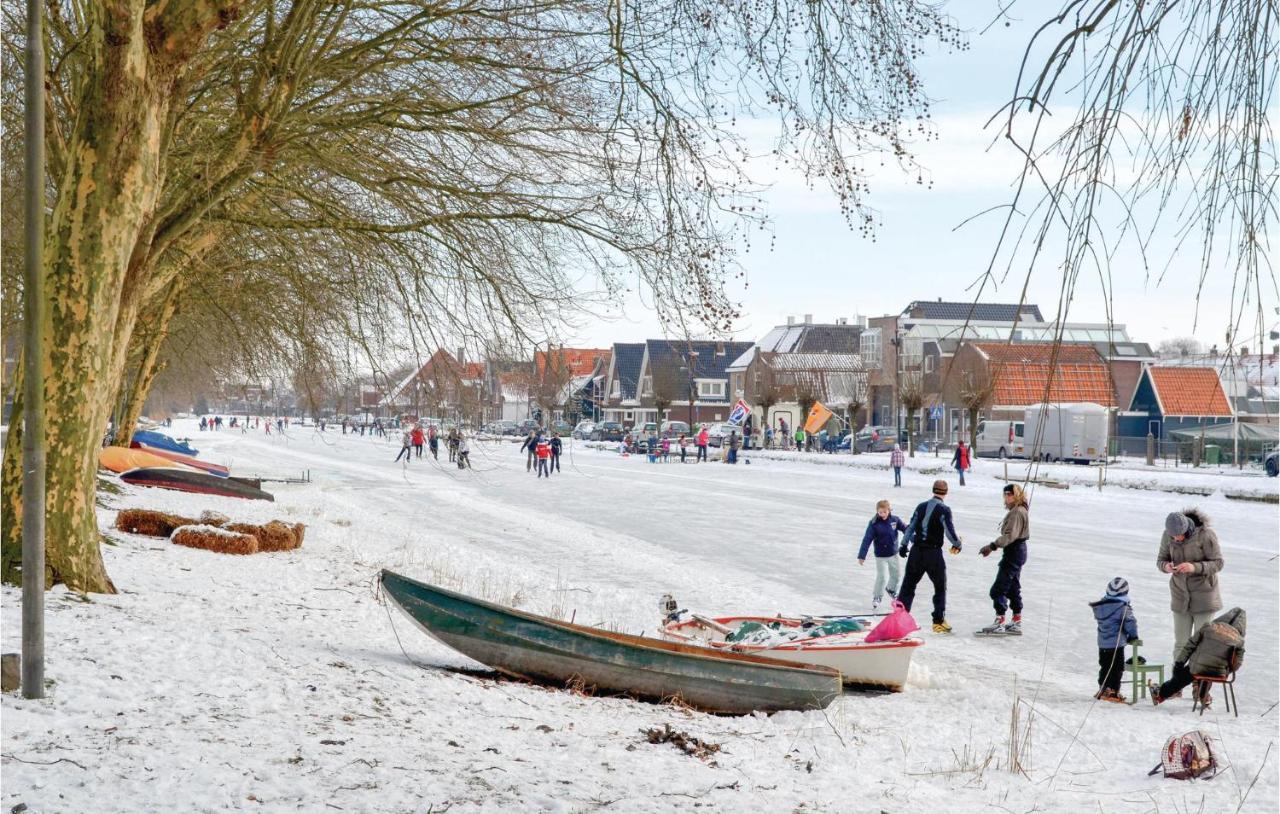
[[1188, 391], [982, 311], [1031, 373]]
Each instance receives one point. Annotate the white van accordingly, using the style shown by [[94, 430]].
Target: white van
[[1067, 432], [1002, 439]]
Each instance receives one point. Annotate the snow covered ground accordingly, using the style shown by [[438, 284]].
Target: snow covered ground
[[279, 682]]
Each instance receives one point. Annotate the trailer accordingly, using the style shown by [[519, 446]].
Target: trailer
[[1075, 432]]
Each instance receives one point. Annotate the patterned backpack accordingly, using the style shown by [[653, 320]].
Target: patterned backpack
[[1186, 757]]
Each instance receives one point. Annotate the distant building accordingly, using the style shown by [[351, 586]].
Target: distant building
[[1170, 397], [685, 380]]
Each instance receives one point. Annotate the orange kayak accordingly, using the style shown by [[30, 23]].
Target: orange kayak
[[119, 459]]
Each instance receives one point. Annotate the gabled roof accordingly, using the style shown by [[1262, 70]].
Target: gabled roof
[[711, 359], [1023, 374], [627, 358], [1189, 391], [578, 361], [981, 311]]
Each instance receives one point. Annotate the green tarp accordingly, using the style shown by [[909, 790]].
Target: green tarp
[[1224, 434]]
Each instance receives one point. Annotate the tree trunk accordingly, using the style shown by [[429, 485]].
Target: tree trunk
[[147, 368], [11, 488], [973, 428], [911, 420]]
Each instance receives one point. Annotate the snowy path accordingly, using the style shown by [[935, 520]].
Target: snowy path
[[210, 682]]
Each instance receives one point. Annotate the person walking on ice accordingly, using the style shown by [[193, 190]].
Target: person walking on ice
[[1006, 591], [897, 460], [1190, 554], [406, 446], [929, 528], [1117, 626], [543, 450], [961, 460], [882, 531]]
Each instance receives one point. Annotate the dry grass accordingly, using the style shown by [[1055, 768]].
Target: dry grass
[[151, 523], [214, 539], [274, 536]]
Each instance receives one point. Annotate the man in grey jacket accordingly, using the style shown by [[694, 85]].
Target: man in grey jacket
[[1190, 554]]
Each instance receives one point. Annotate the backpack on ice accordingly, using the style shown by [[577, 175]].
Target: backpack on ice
[[1186, 757]]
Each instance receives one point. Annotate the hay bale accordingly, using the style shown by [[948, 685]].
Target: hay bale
[[209, 517], [298, 531], [150, 523], [274, 536], [213, 538]]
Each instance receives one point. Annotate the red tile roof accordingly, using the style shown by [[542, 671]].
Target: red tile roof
[[1189, 391], [579, 361], [1023, 374]]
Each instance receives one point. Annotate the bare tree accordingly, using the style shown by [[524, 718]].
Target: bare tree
[[667, 384], [1179, 346], [1170, 140], [911, 395], [976, 381], [764, 388]]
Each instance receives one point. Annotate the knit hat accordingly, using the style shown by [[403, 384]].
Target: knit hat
[[939, 487], [1118, 587], [1177, 524]]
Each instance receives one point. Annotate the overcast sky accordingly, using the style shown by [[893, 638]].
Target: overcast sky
[[818, 266]]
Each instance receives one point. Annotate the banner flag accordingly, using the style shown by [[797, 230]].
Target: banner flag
[[819, 415], [739, 413]]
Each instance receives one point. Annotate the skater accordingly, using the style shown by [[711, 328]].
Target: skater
[[1116, 628], [960, 460], [684, 446], [1214, 650], [433, 441], [799, 439], [731, 447], [897, 460], [543, 450], [929, 528], [554, 464], [1006, 591], [1190, 554], [703, 437], [883, 530], [530, 444], [665, 446], [452, 442], [418, 440], [464, 453], [203, 423], [406, 447]]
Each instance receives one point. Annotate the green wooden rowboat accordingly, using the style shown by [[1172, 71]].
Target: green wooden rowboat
[[525, 645]]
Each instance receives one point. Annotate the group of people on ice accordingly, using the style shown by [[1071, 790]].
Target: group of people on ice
[[1204, 646], [543, 453], [414, 438]]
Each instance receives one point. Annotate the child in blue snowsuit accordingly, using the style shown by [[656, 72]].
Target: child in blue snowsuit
[[883, 531], [1117, 626]]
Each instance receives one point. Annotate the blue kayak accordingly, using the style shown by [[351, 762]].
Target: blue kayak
[[159, 440]]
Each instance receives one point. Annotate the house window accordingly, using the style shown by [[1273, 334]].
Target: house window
[[646, 386], [630, 416], [711, 388], [928, 364], [869, 348], [615, 391]]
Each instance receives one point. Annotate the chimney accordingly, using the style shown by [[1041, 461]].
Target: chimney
[[808, 319], [842, 320], [791, 320], [462, 357]]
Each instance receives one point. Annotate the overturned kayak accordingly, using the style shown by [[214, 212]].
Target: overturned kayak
[[185, 460], [119, 459], [880, 665], [201, 483], [158, 440], [525, 645]]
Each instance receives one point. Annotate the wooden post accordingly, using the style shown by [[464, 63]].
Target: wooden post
[[1151, 449]]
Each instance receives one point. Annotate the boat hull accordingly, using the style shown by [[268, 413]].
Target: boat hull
[[185, 460], [200, 483], [535, 647], [879, 665], [119, 459], [158, 440]]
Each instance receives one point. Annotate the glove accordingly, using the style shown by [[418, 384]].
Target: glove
[[986, 550], [902, 550]]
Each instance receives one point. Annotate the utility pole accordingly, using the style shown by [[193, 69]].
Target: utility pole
[[33, 500]]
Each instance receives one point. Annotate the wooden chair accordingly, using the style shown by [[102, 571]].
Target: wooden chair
[[1138, 672], [1202, 684]]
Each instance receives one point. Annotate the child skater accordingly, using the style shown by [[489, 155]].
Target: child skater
[[883, 531]]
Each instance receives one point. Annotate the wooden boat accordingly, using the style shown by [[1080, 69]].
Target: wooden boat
[[158, 440], [880, 665], [185, 460], [201, 483], [539, 648], [119, 459]]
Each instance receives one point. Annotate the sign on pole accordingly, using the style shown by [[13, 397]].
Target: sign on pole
[[739, 413]]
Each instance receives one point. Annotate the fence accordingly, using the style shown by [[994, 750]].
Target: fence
[[1188, 453]]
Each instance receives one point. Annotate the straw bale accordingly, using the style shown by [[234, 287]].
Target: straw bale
[[212, 538], [150, 523]]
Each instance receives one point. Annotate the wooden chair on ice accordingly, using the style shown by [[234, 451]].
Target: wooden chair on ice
[[1202, 684], [1138, 672]]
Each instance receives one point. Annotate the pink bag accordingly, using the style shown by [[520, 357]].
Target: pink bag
[[897, 625]]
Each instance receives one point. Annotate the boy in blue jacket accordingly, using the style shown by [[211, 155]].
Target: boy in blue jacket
[[1117, 626], [883, 531]]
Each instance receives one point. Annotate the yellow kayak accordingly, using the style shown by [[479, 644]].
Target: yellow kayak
[[119, 459]]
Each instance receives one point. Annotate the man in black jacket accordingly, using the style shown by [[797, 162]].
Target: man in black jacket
[[929, 525], [554, 464]]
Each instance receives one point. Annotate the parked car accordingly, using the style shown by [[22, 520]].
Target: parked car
[[673, 429], [584, 429], [527, 426], [1003, 439], [1273, 464], [607, 431], [876, 438], [561, 428], [717, 433]]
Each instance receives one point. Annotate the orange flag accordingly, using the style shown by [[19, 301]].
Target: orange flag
[[819, 415]]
